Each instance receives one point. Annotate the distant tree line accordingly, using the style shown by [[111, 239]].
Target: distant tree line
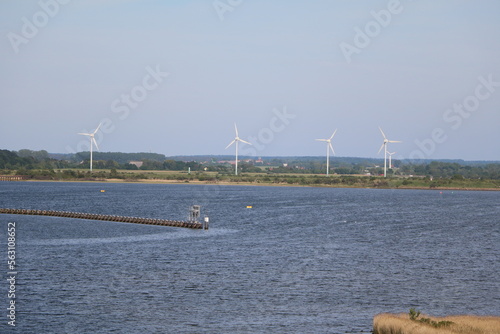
[[120, 158], [26, 159], [455, 170]]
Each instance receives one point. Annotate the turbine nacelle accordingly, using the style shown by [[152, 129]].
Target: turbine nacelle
[[386, 141], [92, 136], [237, 138], [329, 141]]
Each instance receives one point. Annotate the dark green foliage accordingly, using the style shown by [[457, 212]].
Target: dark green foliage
[[180, 165], [455, 171], [151, 165], [414, 314], [120, 158], [10, 160]]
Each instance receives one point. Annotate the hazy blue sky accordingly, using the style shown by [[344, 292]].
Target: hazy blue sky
[[173, 76]]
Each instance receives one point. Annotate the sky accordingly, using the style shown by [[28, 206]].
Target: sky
[[173, 77]]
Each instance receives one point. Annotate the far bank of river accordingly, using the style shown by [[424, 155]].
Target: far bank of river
[[361, 182]]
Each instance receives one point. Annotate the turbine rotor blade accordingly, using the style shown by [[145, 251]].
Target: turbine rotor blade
[[85, 134], [97, 128], [95, 143], [381, 147], [231, 143], [334, 132], [394, 141], [322, 139], [241, 140], [383, 134], [236, 130], [331, 147]]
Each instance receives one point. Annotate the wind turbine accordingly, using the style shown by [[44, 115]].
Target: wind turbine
[[328, 148], [236, 140], [390, 158], [384, 146], [92, 142]]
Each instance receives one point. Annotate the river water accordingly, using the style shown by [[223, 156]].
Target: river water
[[301, 260]]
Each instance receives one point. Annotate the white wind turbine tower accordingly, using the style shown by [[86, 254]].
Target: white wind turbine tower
[[236, 140], [92, 142], [328, 148], [390, 158], [384, 146]]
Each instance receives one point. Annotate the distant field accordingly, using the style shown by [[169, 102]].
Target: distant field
[[462, 324]]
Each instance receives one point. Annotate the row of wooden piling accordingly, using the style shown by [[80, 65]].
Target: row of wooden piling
[[113, 218], [13, 177]]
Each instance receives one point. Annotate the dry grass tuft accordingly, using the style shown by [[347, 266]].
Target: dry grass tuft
[[461, 324]]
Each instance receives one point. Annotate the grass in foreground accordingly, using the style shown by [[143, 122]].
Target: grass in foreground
[[461, 324]]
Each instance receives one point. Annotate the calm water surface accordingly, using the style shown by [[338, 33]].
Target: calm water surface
[[302, 260]]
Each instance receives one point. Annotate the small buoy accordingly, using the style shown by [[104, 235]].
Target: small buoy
[[249, 206], [103, 191]]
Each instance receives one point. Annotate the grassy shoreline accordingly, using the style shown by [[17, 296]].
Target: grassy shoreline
[[266, 184], [456, 324]]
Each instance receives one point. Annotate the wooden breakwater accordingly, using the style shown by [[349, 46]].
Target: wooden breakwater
[[13, 177], [123, 219]]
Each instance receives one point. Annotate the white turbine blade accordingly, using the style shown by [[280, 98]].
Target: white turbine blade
[[381, 147], [334, 132], [383, 134], [241, 140], [236, 130], [231, 143], [322, 139], [394, 141], [85, 134], [95, 143], [97, 128], [331, 147]]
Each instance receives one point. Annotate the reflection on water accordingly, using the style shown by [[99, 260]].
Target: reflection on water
[[180, 233]]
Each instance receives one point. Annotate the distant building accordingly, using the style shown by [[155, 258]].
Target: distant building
[[137, 163], [232, 162]]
